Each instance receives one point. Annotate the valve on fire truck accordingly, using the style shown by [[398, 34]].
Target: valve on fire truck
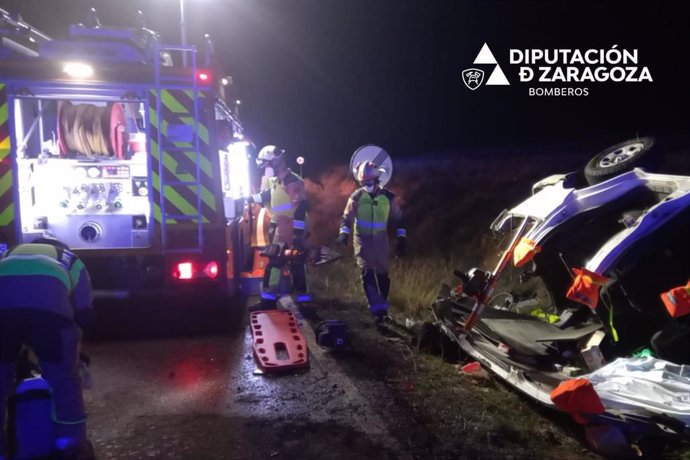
[[67, 197], [114, 197], [99, 192], [84, 191]]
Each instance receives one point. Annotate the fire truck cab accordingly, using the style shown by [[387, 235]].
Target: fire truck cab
[[111, 145]]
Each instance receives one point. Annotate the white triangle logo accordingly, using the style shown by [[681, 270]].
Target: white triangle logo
[[497, 77], [485, 56]]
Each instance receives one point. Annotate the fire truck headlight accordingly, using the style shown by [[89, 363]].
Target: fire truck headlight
[[78, 70]]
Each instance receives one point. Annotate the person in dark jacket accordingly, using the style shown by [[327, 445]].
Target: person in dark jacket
[[369, 211], [45, 303]]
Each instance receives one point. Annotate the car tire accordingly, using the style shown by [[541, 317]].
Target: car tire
[[618, 159]]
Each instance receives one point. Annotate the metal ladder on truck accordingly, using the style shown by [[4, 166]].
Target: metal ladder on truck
[[167, 148]]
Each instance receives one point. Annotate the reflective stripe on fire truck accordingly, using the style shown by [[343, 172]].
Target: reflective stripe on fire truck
[[178, 108], [6, 198]]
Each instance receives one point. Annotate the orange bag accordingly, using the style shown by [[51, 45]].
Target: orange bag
[[585, 287], [677, 301], [577, 396]]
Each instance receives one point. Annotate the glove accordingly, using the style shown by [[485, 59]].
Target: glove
[[401, 246], [273, 250], [342, 239]]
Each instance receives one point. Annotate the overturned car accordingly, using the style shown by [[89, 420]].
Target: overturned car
[[587, 307]]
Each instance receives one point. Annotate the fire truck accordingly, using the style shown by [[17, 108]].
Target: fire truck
[[125, 149]]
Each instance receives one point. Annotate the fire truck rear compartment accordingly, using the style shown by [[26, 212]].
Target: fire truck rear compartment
[[82, 172]]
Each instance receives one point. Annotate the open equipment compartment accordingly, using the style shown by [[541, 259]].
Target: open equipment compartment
[[83, 171]]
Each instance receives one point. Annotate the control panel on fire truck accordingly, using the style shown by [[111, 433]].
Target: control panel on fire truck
[[83, 172]]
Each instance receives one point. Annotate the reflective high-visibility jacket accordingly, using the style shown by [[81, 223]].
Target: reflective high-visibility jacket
[[44, 277], [286, 199], [370, 214]]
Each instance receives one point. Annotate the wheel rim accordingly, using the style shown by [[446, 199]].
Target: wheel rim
[[620, 154]]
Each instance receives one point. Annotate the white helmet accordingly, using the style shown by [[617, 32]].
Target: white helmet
[[268, 154]]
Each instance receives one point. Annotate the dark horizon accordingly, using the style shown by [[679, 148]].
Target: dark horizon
[[323, 77]]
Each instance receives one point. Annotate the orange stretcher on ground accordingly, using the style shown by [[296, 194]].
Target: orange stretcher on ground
[[277, 343]]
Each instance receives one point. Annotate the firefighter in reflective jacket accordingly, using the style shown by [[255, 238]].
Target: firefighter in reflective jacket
[[369, 211], [46, 301], [284, 194]]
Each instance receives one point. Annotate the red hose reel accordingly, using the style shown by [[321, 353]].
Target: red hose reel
[[92, 130]]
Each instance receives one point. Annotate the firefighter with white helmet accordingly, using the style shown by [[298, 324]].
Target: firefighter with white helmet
[[267, 154], [46, 303], [285, 196], [368, 213]]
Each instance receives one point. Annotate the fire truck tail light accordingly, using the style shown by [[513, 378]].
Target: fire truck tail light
[[211, 269], [78, 70], [192, 270], [183, 271]]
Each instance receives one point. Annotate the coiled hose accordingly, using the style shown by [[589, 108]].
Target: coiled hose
[[91, 130]]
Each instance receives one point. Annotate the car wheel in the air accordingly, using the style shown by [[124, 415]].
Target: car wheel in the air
[[618, 159]]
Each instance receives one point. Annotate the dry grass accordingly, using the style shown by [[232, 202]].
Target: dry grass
[[414, 286], [337, 282]]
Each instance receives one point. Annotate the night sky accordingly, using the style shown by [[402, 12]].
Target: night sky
[[322, 77]]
